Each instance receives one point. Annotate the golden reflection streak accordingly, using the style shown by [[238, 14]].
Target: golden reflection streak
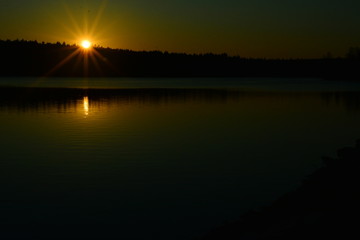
[[86, 105]]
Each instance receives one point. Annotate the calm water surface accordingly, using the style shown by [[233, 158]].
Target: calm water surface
[[148, 159]]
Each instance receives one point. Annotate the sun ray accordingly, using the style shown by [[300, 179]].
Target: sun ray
[[57, 20], [86, 64], [77, 62], [74, 34], [94, 60], [86, 20], [98, 17], [103, 31], [65, 60], [101, 57], [72, 19]]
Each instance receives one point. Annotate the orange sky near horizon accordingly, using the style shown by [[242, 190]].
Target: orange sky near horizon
[[247, 28]]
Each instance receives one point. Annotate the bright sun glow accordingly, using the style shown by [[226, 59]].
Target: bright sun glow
[[86, 53], [86, 44]]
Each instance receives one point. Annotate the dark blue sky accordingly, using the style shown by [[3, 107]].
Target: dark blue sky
[[255, 28]]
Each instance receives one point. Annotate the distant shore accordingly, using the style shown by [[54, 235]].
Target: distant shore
[[32, 59]]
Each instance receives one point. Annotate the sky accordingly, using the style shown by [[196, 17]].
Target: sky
[[248, 28]]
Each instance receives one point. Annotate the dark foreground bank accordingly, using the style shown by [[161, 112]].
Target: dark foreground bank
[[325, 206]]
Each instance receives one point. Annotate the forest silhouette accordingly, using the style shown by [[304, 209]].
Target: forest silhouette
[[21, 58]]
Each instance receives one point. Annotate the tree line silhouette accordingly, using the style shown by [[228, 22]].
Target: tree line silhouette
[[23, 58]]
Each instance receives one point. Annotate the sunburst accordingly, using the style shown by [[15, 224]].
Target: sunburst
[[85, 37], [86, 44]]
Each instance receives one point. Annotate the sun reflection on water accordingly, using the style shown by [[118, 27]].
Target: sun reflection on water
[[86, 105]]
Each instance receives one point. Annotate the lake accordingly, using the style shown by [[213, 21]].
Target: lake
[[160, 158]]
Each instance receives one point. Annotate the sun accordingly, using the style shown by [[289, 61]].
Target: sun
[[86, 52], [86, 44]]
